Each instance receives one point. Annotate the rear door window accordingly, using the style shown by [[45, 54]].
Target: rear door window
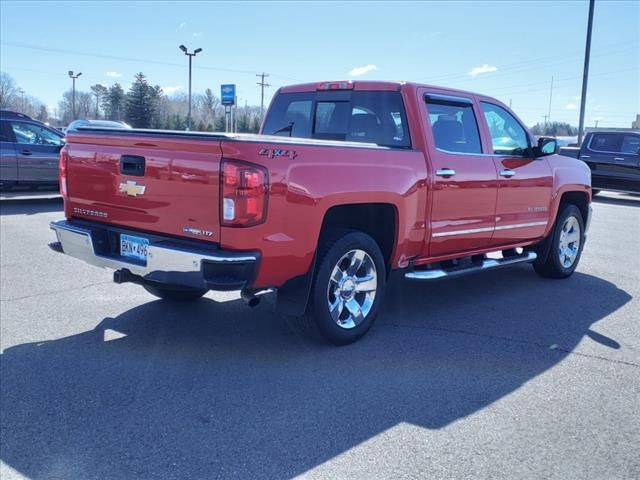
[[361, 116], [454, 127]]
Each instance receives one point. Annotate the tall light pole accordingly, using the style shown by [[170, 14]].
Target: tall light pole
[[73, 94], [585, 74], [190, 55]]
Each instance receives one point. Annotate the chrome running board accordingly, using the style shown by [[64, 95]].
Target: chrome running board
[[481, 266]]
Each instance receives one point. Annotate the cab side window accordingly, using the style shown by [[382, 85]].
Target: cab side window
[[631, 144], [29, 134], [454, 127], [508, 137]]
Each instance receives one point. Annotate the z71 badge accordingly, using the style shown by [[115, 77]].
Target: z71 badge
[[197, 231], [277, 152]]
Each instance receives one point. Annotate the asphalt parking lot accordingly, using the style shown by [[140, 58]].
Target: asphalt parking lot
[[501, 375]]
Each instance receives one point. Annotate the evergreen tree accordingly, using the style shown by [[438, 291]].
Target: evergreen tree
[[100, 92], [219, 124], [255, 125], [113, 102], [140, 104]]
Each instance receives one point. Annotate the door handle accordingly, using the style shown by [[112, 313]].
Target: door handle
[[445, 172], [26, 152], [618, 159], [507, 173]]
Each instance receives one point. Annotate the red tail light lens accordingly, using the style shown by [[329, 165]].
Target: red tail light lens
[[62, 172], [243, 194]]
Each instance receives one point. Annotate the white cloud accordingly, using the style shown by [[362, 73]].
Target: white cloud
[[355, 71], [570, 106], [197, 34], [182, 24], [170, 90], [482, 69], [113, 74]]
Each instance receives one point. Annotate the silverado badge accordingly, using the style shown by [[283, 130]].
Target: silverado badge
[[132, 189]]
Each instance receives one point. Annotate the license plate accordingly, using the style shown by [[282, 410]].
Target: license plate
[[134, 247]]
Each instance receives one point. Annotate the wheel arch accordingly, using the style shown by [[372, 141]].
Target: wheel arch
[[372, 218]]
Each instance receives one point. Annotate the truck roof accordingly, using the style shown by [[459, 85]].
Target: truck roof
[[380, 85]]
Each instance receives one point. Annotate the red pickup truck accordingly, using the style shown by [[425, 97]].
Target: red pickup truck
[[346, 182]]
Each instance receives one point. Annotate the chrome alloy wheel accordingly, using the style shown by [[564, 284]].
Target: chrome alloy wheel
[[569, 242], [352, 288]]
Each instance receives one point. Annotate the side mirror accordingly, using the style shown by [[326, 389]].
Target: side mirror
[[546, 146]]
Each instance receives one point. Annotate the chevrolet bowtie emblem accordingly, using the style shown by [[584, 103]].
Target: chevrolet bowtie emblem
[[132, 189]]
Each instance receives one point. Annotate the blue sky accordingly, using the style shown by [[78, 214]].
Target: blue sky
[[509, 50]]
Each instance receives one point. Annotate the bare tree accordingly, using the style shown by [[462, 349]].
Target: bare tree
[[8, 91]]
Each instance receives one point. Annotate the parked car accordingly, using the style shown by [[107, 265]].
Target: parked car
[[348, 181], [29, 151], [613, 157], [96, 123]]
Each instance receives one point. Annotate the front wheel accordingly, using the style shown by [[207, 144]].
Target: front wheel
[[567, 242], [348, 287], [175, 293]]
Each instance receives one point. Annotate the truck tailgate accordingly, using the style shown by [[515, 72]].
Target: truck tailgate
[[155, 184]]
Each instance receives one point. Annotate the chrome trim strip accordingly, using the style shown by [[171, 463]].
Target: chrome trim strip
[[463, 232], [487, 264], [522, 225], [488, 229], [78, 243]]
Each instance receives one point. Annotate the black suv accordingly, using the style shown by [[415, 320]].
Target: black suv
[[29, 151]]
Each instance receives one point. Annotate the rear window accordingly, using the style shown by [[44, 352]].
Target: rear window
[[369, 117]]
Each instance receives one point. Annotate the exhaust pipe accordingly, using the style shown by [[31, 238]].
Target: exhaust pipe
[[249, 297]]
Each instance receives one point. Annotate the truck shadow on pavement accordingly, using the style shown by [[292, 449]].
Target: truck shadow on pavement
[[216, 390]]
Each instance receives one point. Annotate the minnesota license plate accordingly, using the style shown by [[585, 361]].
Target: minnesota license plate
[[134, 247]]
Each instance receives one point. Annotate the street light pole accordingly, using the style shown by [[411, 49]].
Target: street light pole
[[585, 75], [190, 55], [73, 94]]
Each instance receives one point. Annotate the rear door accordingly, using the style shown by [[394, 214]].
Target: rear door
[[464, 178], [8, 162], [37, 151], [525, 183], [614, 160]]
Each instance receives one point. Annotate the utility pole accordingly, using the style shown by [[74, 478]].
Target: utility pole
[[190, 55], [597, 123], [73, 94], [262, 86], [585, 75], [550, 96]]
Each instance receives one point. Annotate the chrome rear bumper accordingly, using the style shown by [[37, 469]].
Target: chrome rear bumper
[[167, 262]]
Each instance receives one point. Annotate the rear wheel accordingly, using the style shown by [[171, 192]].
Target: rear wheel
[[566, 245], [175, 293], [348, 287]]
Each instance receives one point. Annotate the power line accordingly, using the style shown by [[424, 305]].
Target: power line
[[132, 59]]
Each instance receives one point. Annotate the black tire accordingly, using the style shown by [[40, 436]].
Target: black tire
[[175, 293], [331, 252], [552, 266]]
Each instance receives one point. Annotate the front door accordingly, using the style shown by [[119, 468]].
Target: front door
[[525, 183], [464, 178]]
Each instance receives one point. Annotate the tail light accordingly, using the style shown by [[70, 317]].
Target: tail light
[[62, 172], [243, 194], [348, 85]]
